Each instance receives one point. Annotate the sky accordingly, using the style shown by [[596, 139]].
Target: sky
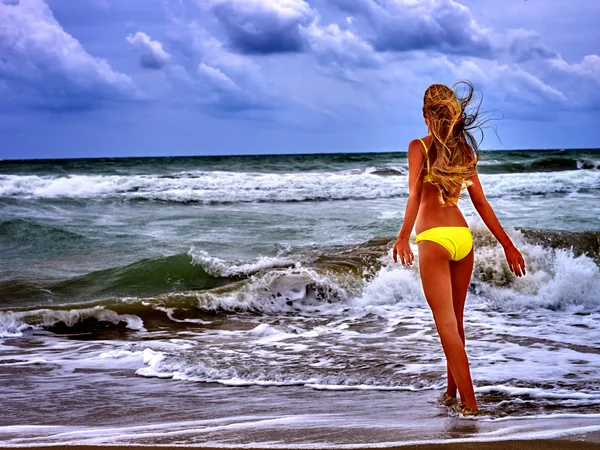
[[94, 78]]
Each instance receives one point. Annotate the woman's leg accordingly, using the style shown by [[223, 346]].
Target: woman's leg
[[460, 276], [434, 265]]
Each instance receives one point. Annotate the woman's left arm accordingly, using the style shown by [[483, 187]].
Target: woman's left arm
[[513, 256], [415, 186]]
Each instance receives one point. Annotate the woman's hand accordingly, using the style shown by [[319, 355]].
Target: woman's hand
[[515, 260], [402, 250]]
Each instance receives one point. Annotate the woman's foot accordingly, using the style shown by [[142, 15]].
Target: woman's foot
[[448, 400], [464, 411]]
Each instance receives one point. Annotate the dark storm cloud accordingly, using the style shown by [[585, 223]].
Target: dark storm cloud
[[439, 25], [261, 26]]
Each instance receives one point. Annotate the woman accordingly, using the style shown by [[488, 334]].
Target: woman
[[440, 166]]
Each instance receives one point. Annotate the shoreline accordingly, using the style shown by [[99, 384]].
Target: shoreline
[[582, 441], [576, 443]]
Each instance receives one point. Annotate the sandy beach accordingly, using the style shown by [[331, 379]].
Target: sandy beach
[[584, 442]]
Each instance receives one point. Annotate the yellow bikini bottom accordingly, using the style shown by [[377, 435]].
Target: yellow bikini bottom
[[457, 240]]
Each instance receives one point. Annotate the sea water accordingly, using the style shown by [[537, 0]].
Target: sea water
[[253, 301]]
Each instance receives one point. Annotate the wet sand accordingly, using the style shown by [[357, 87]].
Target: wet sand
[[588, 441], [579, 443]]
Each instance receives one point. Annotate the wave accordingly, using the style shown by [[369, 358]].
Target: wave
[[29, 232], [194, 287], [218, 187], [78, 320], [165, 364], [544, 164], [206, 187], [581, 243], [146, 277], [388, 171], [558, 278]]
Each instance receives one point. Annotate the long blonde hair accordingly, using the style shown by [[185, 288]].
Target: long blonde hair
[[451, 126]]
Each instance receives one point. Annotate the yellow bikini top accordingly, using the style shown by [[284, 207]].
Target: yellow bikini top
[[426, 178]]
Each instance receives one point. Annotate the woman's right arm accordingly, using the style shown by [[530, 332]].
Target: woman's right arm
[[513, 256]]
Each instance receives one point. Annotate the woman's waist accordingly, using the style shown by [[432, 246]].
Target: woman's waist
[[433, 219]]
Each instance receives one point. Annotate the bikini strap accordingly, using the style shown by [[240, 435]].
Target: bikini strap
[[426, 154]]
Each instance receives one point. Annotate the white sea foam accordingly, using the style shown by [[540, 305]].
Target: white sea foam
[[217, 267], [556, 279], [588, 164], [170, 311], [226, 187], [209, 187], [337, 431], [12, 323], [539, 393], [294, 289]]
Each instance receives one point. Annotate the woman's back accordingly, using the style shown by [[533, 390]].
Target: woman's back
[[432, 213]]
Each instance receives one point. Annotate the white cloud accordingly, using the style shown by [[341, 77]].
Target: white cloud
[[45, 67], [152, 54], [341, 47], [589, 67], [217, 78], [508, 85], [581, 80]]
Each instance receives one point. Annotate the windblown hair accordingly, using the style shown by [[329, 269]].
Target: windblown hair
[[451, 126]]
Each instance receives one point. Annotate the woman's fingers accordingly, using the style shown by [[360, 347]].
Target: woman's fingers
[[517, 266], [515, 261], [404, 254], [405, 258]]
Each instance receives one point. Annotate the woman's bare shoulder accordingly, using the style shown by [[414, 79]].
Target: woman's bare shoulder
[[418, 144]]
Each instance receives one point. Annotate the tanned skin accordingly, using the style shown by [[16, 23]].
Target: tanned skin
[[445, 282]]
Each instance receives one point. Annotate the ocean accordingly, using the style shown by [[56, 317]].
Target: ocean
[[252, 301]]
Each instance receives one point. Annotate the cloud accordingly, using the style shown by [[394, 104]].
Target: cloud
[[525, 45], [581, 80], [444, 26], [217, 77], [152, 55], [589, 67], [339, 47], [264, 26], [45, 67], [209, 75], [509, 86], [222, 93]]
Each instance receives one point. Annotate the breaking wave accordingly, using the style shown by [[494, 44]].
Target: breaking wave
[[197, 286]]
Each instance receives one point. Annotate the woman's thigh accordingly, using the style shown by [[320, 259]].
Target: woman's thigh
[[434, 265]]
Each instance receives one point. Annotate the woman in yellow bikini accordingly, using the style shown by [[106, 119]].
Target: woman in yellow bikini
[[440, 166]]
